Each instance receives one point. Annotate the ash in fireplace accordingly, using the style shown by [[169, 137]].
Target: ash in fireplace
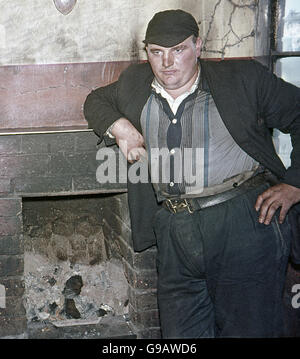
[[61, 290]]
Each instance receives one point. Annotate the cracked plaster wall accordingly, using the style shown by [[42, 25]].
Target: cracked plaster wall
[[228, 28], [34, 32]]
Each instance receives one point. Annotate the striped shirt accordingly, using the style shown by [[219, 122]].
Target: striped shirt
[[189, 148]]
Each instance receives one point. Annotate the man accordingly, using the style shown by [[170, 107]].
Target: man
[[223, 236]]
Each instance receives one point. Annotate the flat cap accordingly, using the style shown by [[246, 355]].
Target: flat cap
[[171, 27]]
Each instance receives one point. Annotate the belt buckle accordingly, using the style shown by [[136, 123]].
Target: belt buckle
[[174, 207], [188, 206], [171, 206]]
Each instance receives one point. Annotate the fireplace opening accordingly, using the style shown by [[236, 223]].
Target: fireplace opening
[[72, 271], [73, 237]]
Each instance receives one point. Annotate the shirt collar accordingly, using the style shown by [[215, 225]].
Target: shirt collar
[[160, 90]]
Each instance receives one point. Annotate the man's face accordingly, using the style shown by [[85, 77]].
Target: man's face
[[175, 66]]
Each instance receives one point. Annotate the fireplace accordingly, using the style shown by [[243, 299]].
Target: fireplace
[[68, 272], [67, 265]]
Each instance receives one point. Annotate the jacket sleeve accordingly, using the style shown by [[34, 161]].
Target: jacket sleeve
[[101, 110], [279, 104]]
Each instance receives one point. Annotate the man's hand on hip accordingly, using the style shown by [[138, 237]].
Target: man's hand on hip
[[281, 195], [128, 138]]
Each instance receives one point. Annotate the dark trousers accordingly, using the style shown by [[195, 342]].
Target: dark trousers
[[220, 272]]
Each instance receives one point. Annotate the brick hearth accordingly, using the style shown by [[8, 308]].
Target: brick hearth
[[64, 164]]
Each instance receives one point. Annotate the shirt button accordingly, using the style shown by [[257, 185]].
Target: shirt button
[[172, 151], [171, 184], [174, 121]]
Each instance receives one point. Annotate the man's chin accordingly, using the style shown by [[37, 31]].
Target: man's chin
[[169, 85]]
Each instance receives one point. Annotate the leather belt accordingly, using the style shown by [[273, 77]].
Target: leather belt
[[197, 203]]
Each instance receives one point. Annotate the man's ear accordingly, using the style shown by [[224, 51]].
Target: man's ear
[[198, 46]]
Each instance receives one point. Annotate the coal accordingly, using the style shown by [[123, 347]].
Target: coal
[[48, 285], [101, 312], [52, 308], [73, 287], [71, 310], [52, 281]]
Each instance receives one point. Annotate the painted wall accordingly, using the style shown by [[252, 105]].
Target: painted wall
[[49, 62], [34, 32]]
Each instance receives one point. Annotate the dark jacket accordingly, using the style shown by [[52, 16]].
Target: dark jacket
[[250, 99]]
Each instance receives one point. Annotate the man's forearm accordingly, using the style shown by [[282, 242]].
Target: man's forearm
[[101, 110]]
